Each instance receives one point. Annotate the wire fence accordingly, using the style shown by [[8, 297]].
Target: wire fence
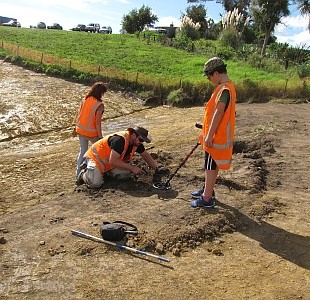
[[161, 87], [110, 75]]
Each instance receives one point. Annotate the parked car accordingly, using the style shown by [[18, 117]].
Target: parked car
[[79, 27], [92, 27], [12, 23], [106, 29], [55, 26], [40, 25]]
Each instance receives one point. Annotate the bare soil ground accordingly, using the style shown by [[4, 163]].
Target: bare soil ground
[[253, 245]]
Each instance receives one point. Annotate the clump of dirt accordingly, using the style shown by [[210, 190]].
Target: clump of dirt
[[266, 207]]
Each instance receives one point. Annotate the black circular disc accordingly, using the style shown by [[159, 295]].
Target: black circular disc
[[161, 186]]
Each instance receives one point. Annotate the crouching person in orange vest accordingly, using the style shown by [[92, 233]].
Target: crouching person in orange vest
[[113, 153], [218, 129]]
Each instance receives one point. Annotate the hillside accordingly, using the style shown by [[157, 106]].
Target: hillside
[[131, 53]]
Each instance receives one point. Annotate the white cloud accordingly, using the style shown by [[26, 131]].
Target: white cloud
[[299, 39], [166, 21], [295, 22], [86, 6], [292, 24], [66, 12], [293, 30]]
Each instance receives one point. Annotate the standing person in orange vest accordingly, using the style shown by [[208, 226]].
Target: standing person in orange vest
[[88, 123], [217, 134], [112, 155]]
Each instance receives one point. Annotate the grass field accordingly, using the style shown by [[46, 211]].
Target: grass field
[[125, 52], [137, 56]]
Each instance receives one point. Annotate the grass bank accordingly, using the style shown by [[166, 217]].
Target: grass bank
[[142, 65]]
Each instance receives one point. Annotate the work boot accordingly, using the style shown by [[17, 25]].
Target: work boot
[[79, 179]]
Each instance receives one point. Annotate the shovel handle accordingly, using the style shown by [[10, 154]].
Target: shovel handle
[[134, 232]]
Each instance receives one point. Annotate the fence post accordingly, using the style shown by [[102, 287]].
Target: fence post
[[17, 51], [285, 85], [137, 78], [42, 58], [70, 64], [98, 70]]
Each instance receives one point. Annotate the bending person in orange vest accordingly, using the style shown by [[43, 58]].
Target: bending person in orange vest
[[218, 129], [88, 123], [113, 153]]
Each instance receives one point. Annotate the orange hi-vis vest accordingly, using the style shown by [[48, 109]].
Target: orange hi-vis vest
[[223, 138], [100, 152], [86, 121]]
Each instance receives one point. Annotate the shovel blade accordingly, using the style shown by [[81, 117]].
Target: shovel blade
[[162, 186]]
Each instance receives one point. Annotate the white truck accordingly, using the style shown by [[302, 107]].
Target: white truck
[[92, 27]]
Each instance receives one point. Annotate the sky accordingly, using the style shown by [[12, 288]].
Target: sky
[[69, 13]]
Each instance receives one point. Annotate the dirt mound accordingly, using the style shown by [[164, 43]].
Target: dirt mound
[[175, 230]]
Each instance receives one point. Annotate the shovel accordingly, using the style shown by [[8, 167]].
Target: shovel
[[166, 185]]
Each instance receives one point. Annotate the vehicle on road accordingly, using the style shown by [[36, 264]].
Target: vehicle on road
[[92, 27], [40, 25], [106, 29], [79, 27], [55, 26], [12, 23]]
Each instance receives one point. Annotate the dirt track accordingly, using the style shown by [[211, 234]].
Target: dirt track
[[253, 245]]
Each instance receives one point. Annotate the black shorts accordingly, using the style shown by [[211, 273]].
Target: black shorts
[[210, 164]]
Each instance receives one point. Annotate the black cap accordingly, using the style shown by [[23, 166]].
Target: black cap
[[141, 132]]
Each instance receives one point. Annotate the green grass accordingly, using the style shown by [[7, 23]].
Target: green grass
[[126, 53], [130, 62]]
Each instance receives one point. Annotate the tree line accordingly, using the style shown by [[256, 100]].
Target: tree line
[[244, 20]]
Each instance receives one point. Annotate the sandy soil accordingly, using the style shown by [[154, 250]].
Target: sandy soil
[[253, 245]]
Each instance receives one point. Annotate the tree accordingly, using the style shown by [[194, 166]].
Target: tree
[[242, 6], [304, 8], [234, 24], [198, 13], [188, 28], [229, 5], [136, 20], [267, 14]]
